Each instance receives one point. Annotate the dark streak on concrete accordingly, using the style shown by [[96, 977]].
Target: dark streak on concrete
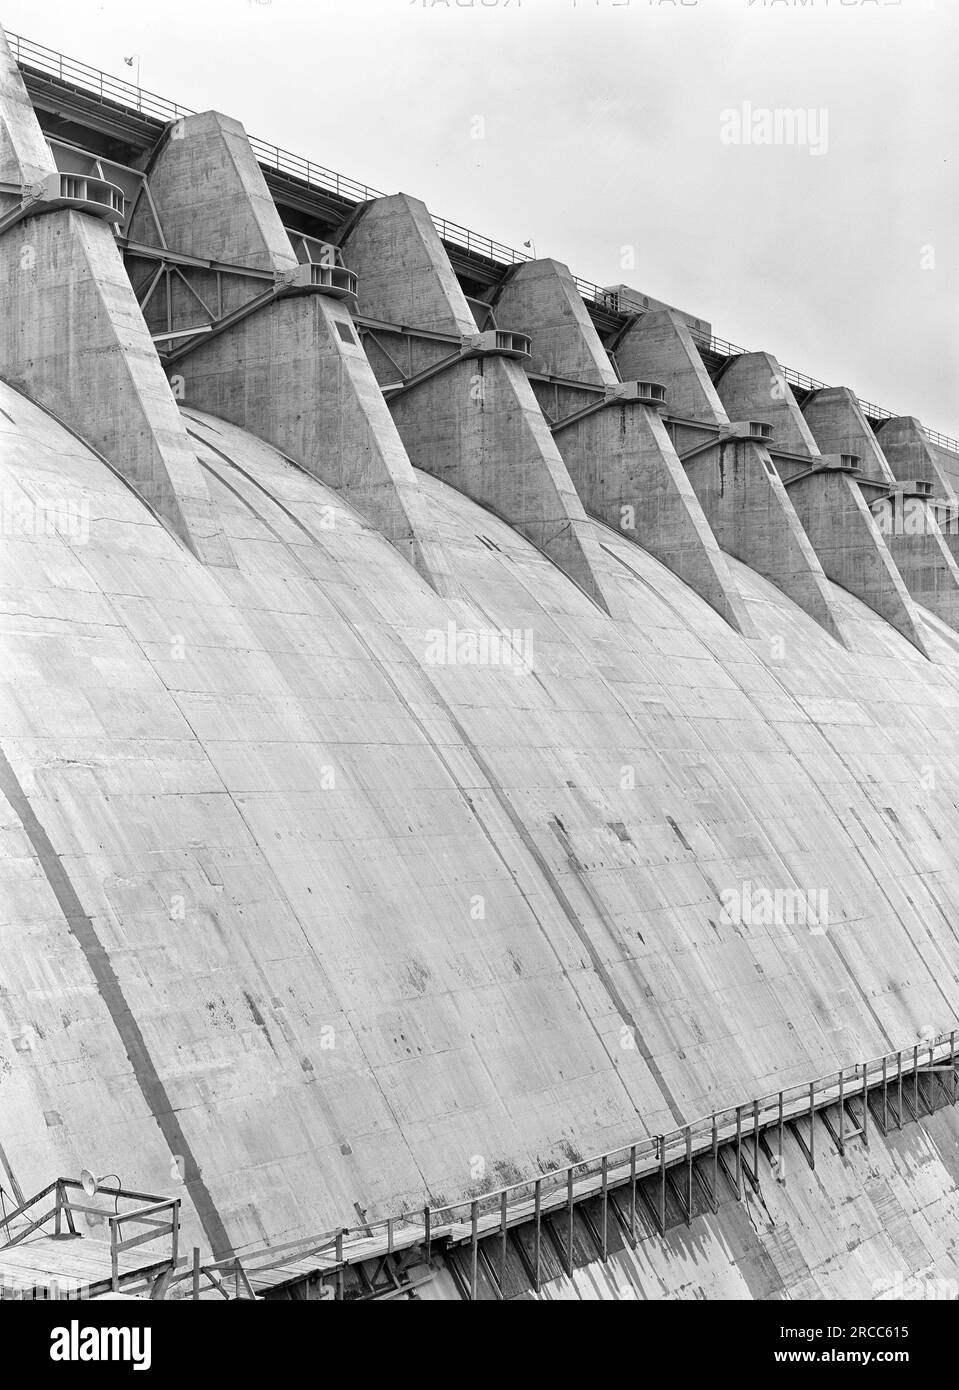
[[516, 821], [108, 986], [625, 1013]]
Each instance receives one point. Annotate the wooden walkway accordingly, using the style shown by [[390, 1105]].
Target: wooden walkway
[[45, 1266]]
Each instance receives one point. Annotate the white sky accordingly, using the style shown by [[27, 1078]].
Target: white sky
[[602, 131]]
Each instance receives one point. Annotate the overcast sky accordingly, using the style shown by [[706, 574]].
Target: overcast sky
[[606, 131]]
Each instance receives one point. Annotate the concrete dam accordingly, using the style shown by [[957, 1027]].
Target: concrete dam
[[479, 757]]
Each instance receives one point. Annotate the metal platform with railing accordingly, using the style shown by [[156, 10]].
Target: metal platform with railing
[[43, 1255], [126, 98]]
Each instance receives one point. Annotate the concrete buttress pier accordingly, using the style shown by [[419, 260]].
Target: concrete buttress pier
[[619, 456], [288, 366], [72, 336], [739, 491], [910, 455], [471, 420], [905, 518], [828, 500], [542, 297]]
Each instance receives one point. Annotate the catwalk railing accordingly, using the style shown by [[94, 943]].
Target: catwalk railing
[[890, 1083], [272, 156]]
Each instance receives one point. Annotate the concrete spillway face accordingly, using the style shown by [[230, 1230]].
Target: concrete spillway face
[[476, 424], [293, 371], [833, 511], [620, 458], [908, 525], [72, 337], [738, 489]]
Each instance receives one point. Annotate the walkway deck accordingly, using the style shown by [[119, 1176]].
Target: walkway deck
[[46, 1266]]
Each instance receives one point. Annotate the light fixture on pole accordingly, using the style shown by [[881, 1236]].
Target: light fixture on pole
[[135, 58]]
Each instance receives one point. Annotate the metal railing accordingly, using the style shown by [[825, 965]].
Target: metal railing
[[101, 84], [890, 1083], [942, 440], [655, 1155], [477, 245], [316, 175], [719, 347], [272, 156], [611, 300]]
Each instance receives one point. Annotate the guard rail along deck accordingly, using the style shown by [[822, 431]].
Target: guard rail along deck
[[47, 61], [891, 1084]]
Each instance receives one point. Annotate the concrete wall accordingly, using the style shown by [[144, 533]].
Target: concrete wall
[[294, 372], [24, 154], [540, 298], [659, 347], [834, 513], [405, 274], [209, 191], [620, 459], [910, 455], [922, 556], [925, 559], [838, 426], [625, 470], [948, 465], [738, 489], [478, 428], [753, 387], [477, 425], [853, 551], [72, 337], [307, 904], [299, 897], [297, 371]]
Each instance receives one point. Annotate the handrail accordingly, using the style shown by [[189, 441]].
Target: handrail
[[115, 89], [943, 440], [145, 1214], [108, 88], [476, 1216], [478, 245], [25, 1206]]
